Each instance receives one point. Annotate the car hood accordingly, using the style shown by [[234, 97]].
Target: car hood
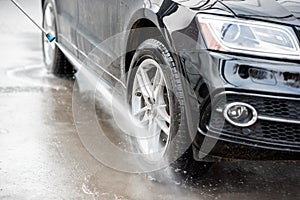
[[280, 11]]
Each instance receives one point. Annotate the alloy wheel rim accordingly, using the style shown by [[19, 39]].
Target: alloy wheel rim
[[49, 26], [150, 107]]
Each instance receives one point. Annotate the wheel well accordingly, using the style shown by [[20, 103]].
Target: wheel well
[[136, 37], [205, 105], [203, 91]]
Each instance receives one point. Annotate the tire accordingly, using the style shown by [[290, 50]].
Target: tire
[[152, 57], [54, 60]]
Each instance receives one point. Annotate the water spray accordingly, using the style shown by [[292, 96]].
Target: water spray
[[49, 36]]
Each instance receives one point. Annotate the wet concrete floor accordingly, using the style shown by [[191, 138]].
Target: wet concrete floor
[[42, 157]]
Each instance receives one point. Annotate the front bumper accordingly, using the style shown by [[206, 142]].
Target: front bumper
[[271, 87]]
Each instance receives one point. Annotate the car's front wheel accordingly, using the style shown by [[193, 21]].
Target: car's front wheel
[[155, 96]]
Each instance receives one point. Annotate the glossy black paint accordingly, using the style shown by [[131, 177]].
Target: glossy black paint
[[83, 25]]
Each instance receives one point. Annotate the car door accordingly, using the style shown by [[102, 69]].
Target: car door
[[67, 12], [98, 22]]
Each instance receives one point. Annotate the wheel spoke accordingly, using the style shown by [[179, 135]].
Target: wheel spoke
[[145, 120], [143, 88], [152, 144], [161, 111], [158, 89], [141, 111], [163, 126], [150, 127], [155, 145], [157, 79], [147, 82], [49, 17]]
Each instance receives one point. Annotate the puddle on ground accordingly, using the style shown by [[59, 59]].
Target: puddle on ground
[[35, 77]]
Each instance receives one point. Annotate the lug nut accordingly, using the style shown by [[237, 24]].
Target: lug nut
[[138, 94]]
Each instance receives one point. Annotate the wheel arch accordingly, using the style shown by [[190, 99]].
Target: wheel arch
[[135, 38], [143, 18]]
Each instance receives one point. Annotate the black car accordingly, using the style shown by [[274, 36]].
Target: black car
[[222, 75]]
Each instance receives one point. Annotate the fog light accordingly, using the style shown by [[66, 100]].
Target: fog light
[[240, 114]]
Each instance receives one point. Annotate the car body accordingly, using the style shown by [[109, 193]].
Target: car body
[[225, 82]]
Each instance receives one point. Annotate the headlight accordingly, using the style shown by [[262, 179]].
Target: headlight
[[261, 38]]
